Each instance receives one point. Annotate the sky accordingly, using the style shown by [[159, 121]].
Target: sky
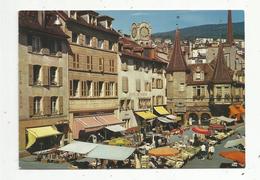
[[165, 20]]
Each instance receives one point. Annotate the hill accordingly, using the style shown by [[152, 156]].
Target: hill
[[208, 31]]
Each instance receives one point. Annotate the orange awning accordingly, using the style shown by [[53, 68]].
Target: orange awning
[[163, 151], [238, 156]]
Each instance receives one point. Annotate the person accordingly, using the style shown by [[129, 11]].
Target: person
[[203, 151], [211, 151], [238, 136], [190, 121]]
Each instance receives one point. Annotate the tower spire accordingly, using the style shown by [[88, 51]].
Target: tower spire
[[177, 62], [230, 29]]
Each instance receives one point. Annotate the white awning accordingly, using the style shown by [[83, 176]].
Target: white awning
[[171, 116], [165, 120], [235, 142], [110, 152], [223, 118], [78, 147], [116, 128]]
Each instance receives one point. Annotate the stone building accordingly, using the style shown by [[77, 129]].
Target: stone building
[[43, 85], [92, 69], [141, 82]]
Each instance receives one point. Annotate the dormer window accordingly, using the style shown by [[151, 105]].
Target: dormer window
[[100, 43], [198, 76], [75, 37]]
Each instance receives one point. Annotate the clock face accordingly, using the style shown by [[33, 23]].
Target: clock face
[[134, 32], [144, 31]]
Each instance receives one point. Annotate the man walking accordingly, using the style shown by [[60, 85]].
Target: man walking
[[203, 151], [211, 151]]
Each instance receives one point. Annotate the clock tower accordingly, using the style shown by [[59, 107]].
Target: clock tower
[[141, 33]]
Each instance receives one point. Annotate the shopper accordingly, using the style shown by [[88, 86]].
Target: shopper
[[211, 151]]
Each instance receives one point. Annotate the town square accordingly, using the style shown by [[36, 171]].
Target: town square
[[96, 96]]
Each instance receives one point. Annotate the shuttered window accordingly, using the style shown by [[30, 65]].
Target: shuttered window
[[125, 84], [31, 82], [54, 109], [60, 105], [31, 106], [46, 105], [138, 85], [45, 75], [60, 76]]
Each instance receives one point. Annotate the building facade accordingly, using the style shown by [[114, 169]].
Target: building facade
[[92, 69], [141, 81], [43, 85]]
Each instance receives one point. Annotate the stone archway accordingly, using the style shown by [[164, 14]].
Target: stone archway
[[194, 117], [205, 118]]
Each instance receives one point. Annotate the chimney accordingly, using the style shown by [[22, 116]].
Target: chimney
[[229, 29]]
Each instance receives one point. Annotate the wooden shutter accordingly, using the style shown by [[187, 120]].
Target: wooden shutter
[[30, 74], [45, 75], [46, 105], [132, 104], [31, 106], [138, 85], [125, 84], [61, 104], [60, 74]]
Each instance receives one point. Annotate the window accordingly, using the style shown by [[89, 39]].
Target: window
[[116, 89], [144, 103], [111, 44], [74, 87], [89, 63], [54, 109], [54, 46], [98, 88], [75, 60], [109, 88], [159, 100], [138, 85], [86, 88], [198, 76], [159, 83], [181, 87], [219, 93], [199, 91], [125, 84], [100, 43], [147, 86], [53, 76], [112, 65], [87, 40], [37, 105], [75, 37], [36, 74], [36, 44], [153, 83], [101, 64]]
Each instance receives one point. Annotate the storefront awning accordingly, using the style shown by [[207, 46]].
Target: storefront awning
[[78, 147], [110, 152], [146, 115], [175, 118], [93, 123], [161, 110], [116, 128], [165, 120], [40, 132]]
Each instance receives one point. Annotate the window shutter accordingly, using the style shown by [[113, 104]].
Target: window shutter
[[60, 74], [30, 74], [45, 74], [138, 85], [46, 105], [31, 105], [60, 104], [125, 84], [132, 104]]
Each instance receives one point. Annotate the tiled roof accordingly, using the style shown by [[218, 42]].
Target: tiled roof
[[28, 20], [206, 68], [130, 48], [177, 62], [221, 73], [81, 21]]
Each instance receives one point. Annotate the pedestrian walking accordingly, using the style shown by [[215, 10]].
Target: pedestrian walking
[[211, 151], [203, 151]]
